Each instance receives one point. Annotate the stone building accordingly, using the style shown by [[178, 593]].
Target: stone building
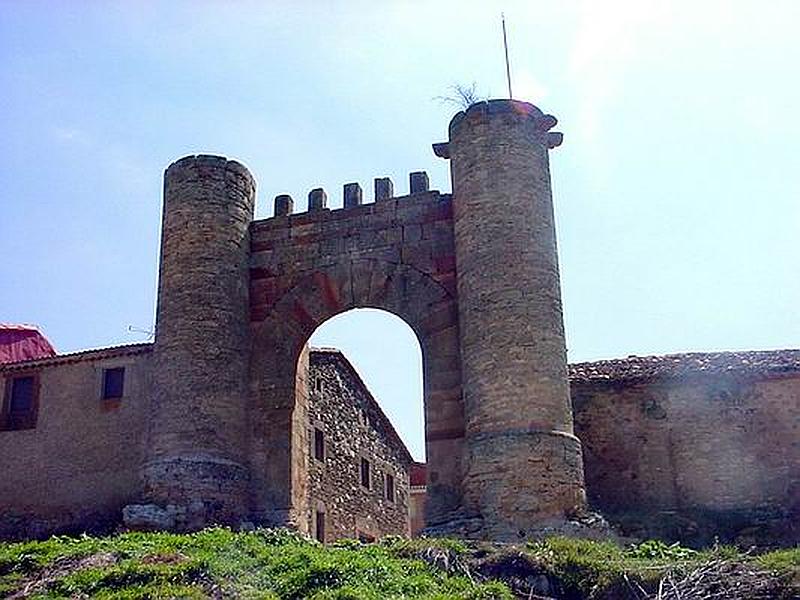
[[211, 422], [359, 470], [72, 434], [692, 447]]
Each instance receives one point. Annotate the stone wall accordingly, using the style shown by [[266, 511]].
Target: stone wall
[[524, 463], [197, 449], [79, 465], [695, 457], [353, 427], [395, 254], [416, 501]]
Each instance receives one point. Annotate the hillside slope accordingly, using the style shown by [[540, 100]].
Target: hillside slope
[[220, 563]]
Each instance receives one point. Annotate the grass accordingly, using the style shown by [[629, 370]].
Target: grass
[[260, 564], [267, 564]]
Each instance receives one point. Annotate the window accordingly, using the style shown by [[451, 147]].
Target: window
[[365, 479], [113, 383], [319, 384], [21, 395], [390, 487], [319, 526], [21, 400], [319, 444]]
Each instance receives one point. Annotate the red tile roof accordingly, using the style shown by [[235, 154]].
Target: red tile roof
[[23, 342]]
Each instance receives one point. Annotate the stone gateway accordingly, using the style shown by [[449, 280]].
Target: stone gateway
[[226, 417], [474, 274]]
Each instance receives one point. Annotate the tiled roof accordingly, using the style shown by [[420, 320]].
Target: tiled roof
[[83, 355], [670, 366], [22, 342]]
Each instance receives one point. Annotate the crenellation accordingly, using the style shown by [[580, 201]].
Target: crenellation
[[317, 200], [384, 188], [284, 205], [418, 182], [353, 195]]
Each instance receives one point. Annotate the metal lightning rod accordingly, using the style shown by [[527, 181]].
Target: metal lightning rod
[[508, 65]]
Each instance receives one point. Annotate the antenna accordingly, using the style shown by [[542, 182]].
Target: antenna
[[133, 329], [508, 65]]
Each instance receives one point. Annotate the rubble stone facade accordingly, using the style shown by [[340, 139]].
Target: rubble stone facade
[[694, 447], [348, 431]]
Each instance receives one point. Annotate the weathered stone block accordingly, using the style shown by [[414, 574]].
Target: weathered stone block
[[317, 199], [384, 188], [147, 517], [353, 195], [418, 182]]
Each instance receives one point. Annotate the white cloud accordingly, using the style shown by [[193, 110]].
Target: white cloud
[[610, 35], [70, 135], [527, 87], [116, 157]]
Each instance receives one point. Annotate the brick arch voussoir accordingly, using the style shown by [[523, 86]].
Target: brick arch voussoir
[[398, 288]]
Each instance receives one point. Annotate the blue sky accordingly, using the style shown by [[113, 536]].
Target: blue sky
[[677, 188]]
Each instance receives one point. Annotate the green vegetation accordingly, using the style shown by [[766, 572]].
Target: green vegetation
[[269, 564], [218, 562]]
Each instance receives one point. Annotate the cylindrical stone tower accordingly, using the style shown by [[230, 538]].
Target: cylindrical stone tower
[[196, 463], [524, 463]]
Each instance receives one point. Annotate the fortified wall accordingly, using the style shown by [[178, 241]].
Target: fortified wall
[[694, 446], [686, 447], [220, 403], [239, 299]]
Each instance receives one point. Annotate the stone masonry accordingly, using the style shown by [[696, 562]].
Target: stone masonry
[[223, 398], [685, 447], [346, 427], [473, 274], [694, 447], [197, 452], [524, 463]]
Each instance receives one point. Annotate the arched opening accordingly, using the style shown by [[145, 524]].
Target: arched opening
[[386, 354], [362, 372], [282, 435]]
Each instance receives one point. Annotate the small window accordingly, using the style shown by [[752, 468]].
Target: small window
[[21, 395], [319, 384], [365, 479], [113, 383], [319, 444], [390, 487], [19, 408], [319, 529]]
